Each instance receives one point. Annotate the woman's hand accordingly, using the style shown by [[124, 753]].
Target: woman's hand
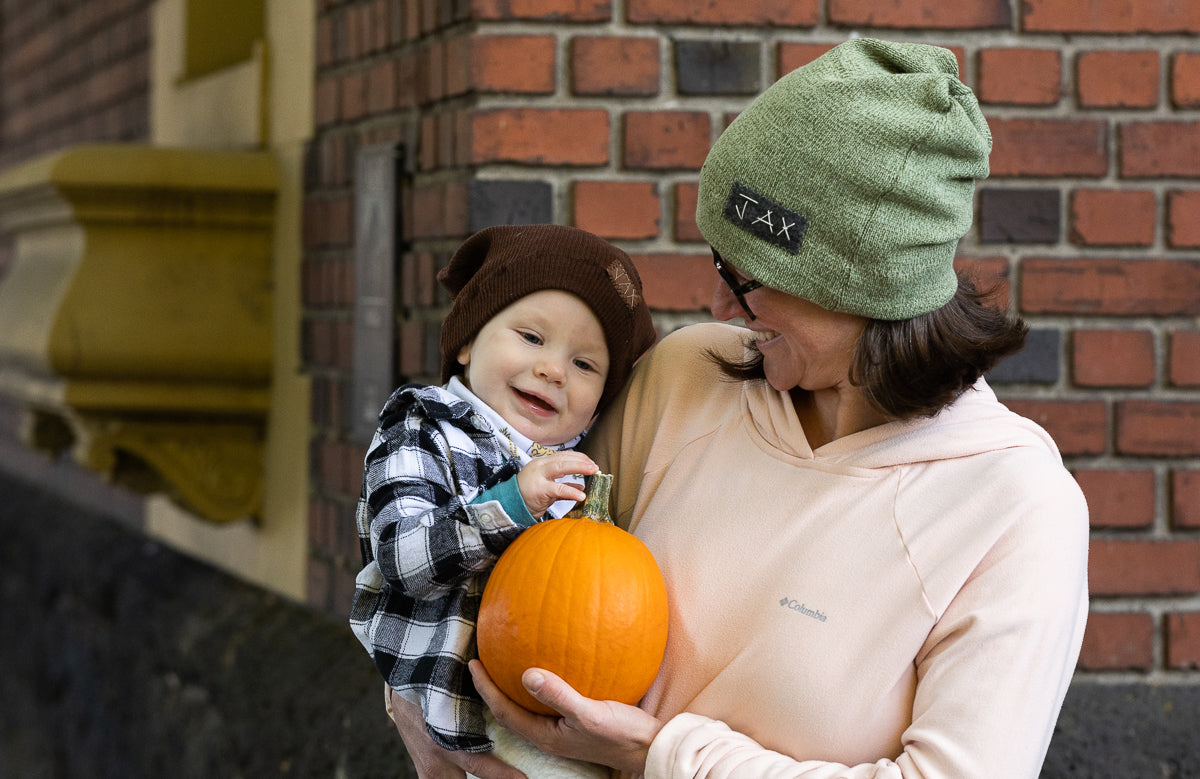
[[605, 732], [433, 762], [537, 484]]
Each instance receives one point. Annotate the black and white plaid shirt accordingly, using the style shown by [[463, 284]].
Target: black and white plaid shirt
[[439, 503], [428, 542]]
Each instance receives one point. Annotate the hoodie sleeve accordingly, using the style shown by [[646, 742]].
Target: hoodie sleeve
[[992, 674]]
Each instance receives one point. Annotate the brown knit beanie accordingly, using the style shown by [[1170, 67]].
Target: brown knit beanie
[[497, 266]]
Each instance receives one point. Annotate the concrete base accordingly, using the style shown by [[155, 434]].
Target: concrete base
[[122, 658]]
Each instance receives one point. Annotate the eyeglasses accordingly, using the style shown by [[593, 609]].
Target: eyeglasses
[[738, 288]]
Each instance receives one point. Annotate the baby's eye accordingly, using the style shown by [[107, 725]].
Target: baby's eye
[[584, 365], [532, 338]]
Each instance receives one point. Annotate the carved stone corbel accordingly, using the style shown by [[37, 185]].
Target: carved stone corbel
[[135, 319]]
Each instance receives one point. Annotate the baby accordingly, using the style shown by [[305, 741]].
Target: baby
[[545, 326]]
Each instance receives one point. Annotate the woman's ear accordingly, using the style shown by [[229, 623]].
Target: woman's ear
[[464, 354]]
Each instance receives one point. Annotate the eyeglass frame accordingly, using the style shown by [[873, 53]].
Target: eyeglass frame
[[739, 290]]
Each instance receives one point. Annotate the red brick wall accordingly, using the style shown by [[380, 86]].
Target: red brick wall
[[599, 114], [71, 72]]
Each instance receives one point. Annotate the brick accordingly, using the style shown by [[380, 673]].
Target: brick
[[677, 282], [463, 121], [439, 210], [1183, 368], [458, 64], [617, 209], [717, 67], [537, 136], [499, 202], [763, 13], [921, 14], [1161, 428], [418, 286], [324, 411], [1113, 358], [792, 55], [1110, 286], [1049, 147], [318, 343], [1185, 499], [1020, 76], [1143, 567], [1159, 149], [326, 52], [666, 140], [431, 73], [1117, 79], [1119, 499], [406, 80], [1019, 215], [685, 212], [521, 64], [1185, 79], [1078, 427], [354, 96], [1110, 217], [1110, 16], [344, 334], [1183, 640], [454, 208], [338, 221], [990, 275], [543, 10], [447, 138], [322, 525], [380, 25], [615, 65], [1036, 363], [428, 146], [1115, 641], [411, 338], [1183, 219], [327, 101]]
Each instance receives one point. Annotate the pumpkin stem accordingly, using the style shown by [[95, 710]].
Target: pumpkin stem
[[595, 506]]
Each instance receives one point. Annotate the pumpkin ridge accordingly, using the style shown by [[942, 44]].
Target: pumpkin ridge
[[581, 598]]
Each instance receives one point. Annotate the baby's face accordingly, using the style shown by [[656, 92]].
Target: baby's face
[[541, 363]]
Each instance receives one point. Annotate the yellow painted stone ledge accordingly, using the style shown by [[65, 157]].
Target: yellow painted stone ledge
[[135, 319]]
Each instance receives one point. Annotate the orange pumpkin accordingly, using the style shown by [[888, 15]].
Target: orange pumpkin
[[580, 597]]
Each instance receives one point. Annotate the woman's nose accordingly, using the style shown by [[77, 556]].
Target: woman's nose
[[724, 305]]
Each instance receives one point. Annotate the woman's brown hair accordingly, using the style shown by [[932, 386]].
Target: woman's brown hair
[[916, 367]]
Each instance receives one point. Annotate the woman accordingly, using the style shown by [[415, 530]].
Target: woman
[[875, 569]]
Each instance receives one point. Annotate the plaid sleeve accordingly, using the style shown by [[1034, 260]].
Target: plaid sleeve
[[426, 551], [418, 483]]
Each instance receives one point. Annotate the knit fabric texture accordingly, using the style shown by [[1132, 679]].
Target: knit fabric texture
[[497, 266], [850, 180]]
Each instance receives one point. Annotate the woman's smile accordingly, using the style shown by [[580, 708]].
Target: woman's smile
[[762, 336]]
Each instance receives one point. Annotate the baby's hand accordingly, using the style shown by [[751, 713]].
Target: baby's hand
[[537, 484]]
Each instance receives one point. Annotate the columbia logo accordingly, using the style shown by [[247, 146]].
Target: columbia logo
[[800, 608]]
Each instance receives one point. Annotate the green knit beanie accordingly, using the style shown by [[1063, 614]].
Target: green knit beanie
[[850, 180]]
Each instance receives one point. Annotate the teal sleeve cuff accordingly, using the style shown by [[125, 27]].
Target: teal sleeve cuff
[[508, 495]]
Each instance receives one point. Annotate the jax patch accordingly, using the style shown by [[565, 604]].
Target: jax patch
[[763, 217]]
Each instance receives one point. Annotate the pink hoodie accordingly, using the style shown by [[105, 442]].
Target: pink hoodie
[[907, 601]]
